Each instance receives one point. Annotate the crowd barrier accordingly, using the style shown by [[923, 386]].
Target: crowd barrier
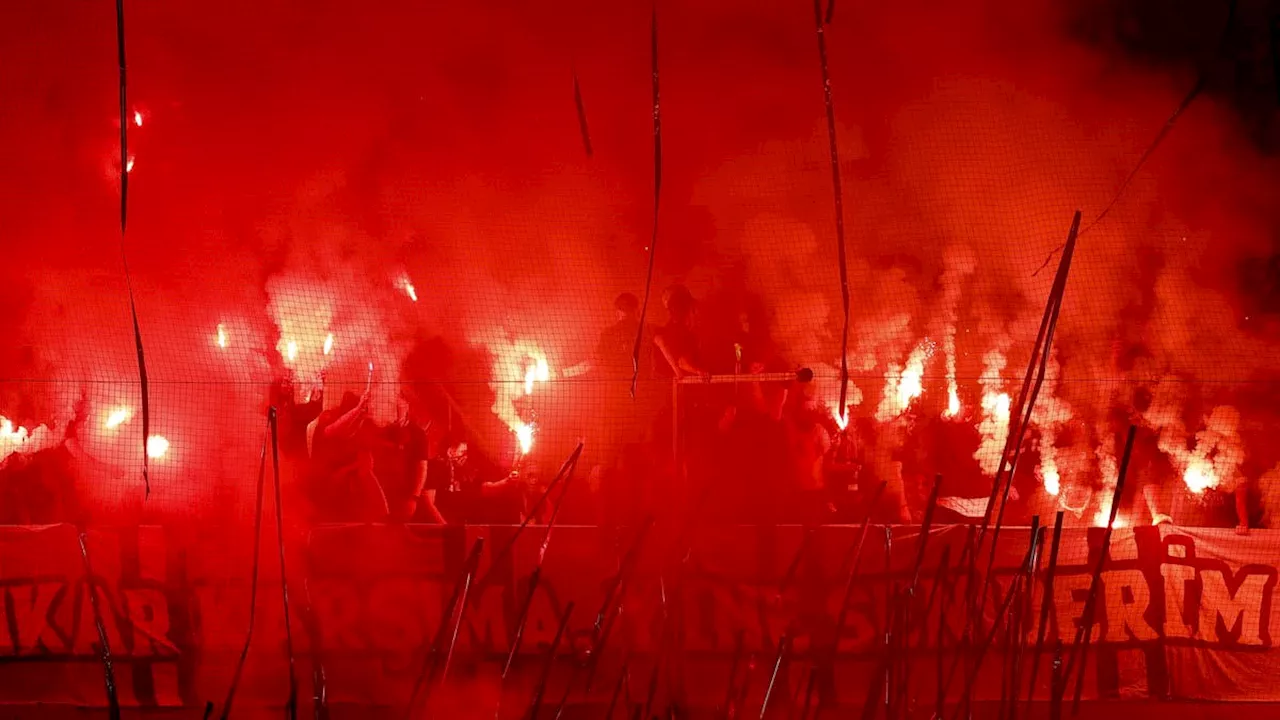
[[1184, 613]]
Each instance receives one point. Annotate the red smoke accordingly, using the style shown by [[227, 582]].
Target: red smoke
[[293, 156]]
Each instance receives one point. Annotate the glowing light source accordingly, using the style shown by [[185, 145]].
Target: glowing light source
[[10, 435], [1052, 482], [1199, 476], [407, 285], [137, 118], [157, 446], [994, 425], [128, 164], [1101, 518], [841, 418], [328, 344], [524, 435], [222, 336], [116, 418], [291, 350], [953, 400], [906, 385], [538, 371]]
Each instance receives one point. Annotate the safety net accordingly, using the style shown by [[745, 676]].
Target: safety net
[[738, 297]]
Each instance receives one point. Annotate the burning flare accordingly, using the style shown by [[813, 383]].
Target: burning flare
[[538, 371], [222, 336], [994, 426], [524, 435], [905, 385], [157, 446], [404, 283], [291, 351], [960, 262], [137, 118], [116, 418], [328, 344]]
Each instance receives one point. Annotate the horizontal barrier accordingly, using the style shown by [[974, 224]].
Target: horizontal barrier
[[1184, 613]]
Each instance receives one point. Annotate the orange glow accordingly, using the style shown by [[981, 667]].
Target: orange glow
[[524, 435], [407, 285], [538, 371], [904, 385], [1199, 476], [994, 426], [328, 344], [222, 336], [842, 419], [10, 436], [117, 417], [137, 118], [157, 446], [1052, 481], [291, 350], [953, 399], [128, 165]]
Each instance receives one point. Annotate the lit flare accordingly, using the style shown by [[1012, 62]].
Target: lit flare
[[116, 418], [222, 336], [1200, 476], [524, 435], [157, 446], [407, 285], [538, 371]]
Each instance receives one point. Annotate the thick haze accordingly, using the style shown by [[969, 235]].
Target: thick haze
[[296, 155]]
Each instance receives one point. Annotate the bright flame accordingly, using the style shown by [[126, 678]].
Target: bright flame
[[128, 164], [291, 350], [1199, 476], [949, 355], [994, 425], [222, 336], [538, 371], [9, 435], [16, 438], [157, 446], [117, 417], [137, 118], [328, 344], [1052, 482], [407, 285], [524, 434], [906, 385], [842, 419]]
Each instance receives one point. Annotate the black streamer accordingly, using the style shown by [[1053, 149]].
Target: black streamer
[[108, 669], [128, 279], [292, 707], [253, 587], [657, 195], [839, 199], [582, 114]]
